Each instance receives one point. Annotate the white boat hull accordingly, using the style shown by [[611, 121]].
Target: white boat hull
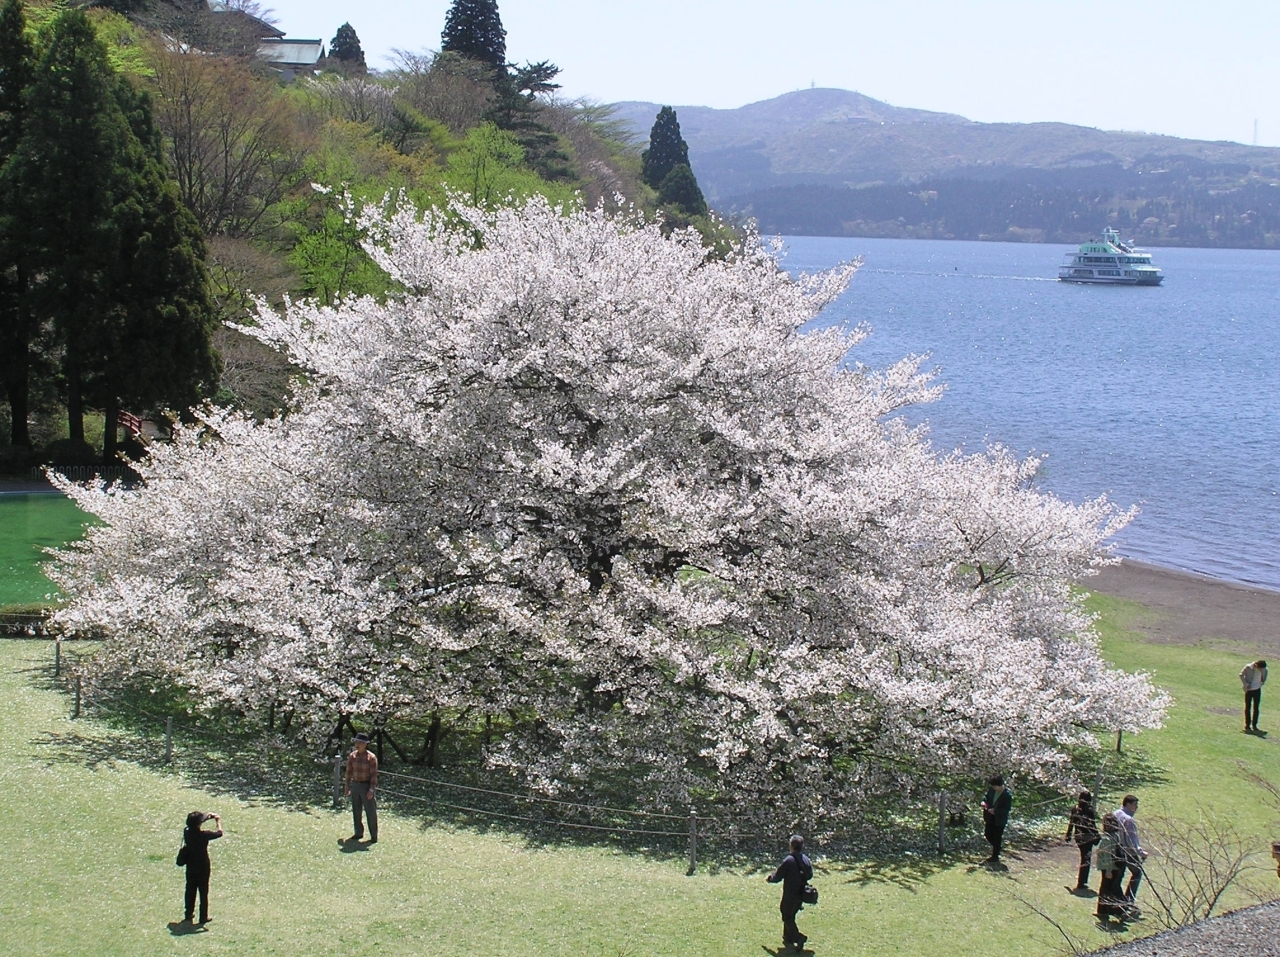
[[1114, 280]]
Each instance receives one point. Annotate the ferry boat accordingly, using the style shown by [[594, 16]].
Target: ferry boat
[[1110, 261]]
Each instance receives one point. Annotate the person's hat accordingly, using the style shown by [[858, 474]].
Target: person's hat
[[362, 737]]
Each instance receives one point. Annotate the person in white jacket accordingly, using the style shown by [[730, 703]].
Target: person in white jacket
[[1253, 676]]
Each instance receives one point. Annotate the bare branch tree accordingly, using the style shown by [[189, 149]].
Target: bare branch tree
[[446, 87], [357, 99], [1192, 865], [228, 139]]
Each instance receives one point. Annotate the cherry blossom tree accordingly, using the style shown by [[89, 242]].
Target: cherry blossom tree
[[589, 482]]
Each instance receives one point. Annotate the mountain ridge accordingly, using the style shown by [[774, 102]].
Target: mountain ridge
[[775, 158]]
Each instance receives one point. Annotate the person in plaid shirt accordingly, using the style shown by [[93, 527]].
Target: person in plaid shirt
[[362, 783]]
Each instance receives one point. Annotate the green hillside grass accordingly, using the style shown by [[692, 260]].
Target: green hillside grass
[[93, 819]]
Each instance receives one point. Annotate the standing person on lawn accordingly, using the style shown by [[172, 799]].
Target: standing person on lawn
[[1111, 901], [198, 866], [793, 873], [1131, 852], [362, 785], [1083, 822], [1253, 676], [995, 815]]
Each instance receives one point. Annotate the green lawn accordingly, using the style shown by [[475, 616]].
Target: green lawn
[[28, 523], [91, 825]]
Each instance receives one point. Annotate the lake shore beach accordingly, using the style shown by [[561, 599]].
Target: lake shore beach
[[1187, 609]]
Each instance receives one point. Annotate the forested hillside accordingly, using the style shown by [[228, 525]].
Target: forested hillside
[[268, 169]]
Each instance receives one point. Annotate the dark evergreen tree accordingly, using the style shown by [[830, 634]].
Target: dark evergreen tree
[[116, 262], [345, 50], [517, 111], [17, 328], [155, 342], [680, 189], [473, 29], [667, 149]]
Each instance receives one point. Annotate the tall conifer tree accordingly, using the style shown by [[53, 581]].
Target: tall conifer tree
[[667, 149], [118, 259], [473, 29], [17, 329], [345, 49]]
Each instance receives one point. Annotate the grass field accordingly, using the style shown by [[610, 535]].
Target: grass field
[[28, 523], [91, 825]]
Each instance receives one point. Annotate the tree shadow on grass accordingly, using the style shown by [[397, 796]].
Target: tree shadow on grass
[[284, 772], [252, 774]]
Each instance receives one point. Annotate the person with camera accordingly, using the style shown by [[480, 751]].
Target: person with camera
[[995, 816], [195, 841], [793, 873]]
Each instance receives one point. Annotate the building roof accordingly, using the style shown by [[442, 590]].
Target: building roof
[[291, 53], [262, 28]]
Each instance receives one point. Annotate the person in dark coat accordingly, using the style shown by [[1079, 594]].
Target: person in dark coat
[[1083, 823], [197, 841], [793, 873], [1111, 902], [995, 815]]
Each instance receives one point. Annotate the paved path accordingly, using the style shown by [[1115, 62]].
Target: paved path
[[1252, 932]]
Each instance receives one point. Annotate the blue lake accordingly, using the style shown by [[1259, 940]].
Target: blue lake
[[1166, 397]]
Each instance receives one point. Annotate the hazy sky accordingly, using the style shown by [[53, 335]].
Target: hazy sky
[[1191, 68]]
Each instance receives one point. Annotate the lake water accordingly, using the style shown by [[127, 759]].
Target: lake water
[[1167, 397]]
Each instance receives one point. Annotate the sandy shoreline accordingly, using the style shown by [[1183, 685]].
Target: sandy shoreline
[[1188, 609]]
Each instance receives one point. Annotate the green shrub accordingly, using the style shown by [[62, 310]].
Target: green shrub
[[69, 452]]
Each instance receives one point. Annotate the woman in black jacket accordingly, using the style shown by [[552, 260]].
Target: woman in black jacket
[[1083, 822], [197, 841]]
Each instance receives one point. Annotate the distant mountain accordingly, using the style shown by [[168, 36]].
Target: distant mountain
[[835, 162]]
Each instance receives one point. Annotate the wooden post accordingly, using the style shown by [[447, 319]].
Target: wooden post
[[57, 657], [337, 780], [79, 692], [693, 842], [942, 822], [168, 739], [1119, 739]]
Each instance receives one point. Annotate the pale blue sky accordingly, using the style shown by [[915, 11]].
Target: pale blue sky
[[1192, 68]]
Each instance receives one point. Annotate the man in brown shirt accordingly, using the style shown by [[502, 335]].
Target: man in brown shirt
[[362, 781]]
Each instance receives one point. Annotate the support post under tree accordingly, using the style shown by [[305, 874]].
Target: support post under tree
[[693, 841], [1119, 740], [57, 658], [168, 739], [337, 780], [942, 822], [79, 694]]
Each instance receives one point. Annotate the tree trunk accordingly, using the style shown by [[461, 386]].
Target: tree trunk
[[75, 401], [17, 386], [17, 367], [111, 432]]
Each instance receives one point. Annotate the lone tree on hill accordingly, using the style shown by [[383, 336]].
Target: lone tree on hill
[[583, 477], [345, 49], [667, 149], [473, 29]]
